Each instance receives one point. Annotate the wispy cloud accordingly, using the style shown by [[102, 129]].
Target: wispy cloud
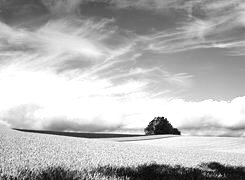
[[206, 23], [198, 34], [78, 73], [144, 4], [65, 72]]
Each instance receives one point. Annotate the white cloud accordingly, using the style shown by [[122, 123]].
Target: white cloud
[[209, 114], [33, 95], [32, 99], [43, 100], [4, 123], [207, 117], [57, 37], [55, 41], [101, 90]]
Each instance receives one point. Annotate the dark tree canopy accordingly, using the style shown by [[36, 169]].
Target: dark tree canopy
[[160, 125]]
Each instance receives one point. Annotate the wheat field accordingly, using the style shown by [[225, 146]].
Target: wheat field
[[35, 151]]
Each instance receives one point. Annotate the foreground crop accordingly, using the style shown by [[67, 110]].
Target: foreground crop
[[42, 156], [207, 171]]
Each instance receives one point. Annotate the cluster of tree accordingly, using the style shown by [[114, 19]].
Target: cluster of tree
[[160, 125]]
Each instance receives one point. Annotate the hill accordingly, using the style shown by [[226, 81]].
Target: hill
[[39, 151]]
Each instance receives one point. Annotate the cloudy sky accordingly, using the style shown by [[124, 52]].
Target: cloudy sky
[[113, 65]]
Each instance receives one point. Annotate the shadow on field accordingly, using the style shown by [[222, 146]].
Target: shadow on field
[[81, 135], [141, 138], [207, 171]]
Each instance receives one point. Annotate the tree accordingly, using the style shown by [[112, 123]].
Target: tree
[[176, 131], [160, 125]]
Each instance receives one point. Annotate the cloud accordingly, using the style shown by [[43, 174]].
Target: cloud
[[4, 124], [145, 4], [40, 100], [209, 117], [42, 86], [78, 106], [81, 73], [197, 34], [63, 36], [215, 117], [205, 24], [56, 37], [192, 6], [33, 95]]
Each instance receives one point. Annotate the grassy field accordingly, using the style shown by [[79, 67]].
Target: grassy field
[[232, 145], [33, 155]]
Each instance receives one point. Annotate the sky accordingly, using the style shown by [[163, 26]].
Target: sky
[[114, 65]]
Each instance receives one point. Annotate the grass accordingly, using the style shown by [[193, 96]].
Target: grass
[[233, 145], [40, 156], [205, 171]]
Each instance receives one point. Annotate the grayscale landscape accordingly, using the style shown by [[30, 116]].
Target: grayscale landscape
[[122, 89], [36, 152]]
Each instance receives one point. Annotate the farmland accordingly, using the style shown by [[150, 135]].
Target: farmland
[[34, 151]]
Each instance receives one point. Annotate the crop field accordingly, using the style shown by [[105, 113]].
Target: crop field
[[232, 145], [34, 151]]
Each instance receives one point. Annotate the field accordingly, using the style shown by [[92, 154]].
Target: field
[[25, 152]]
